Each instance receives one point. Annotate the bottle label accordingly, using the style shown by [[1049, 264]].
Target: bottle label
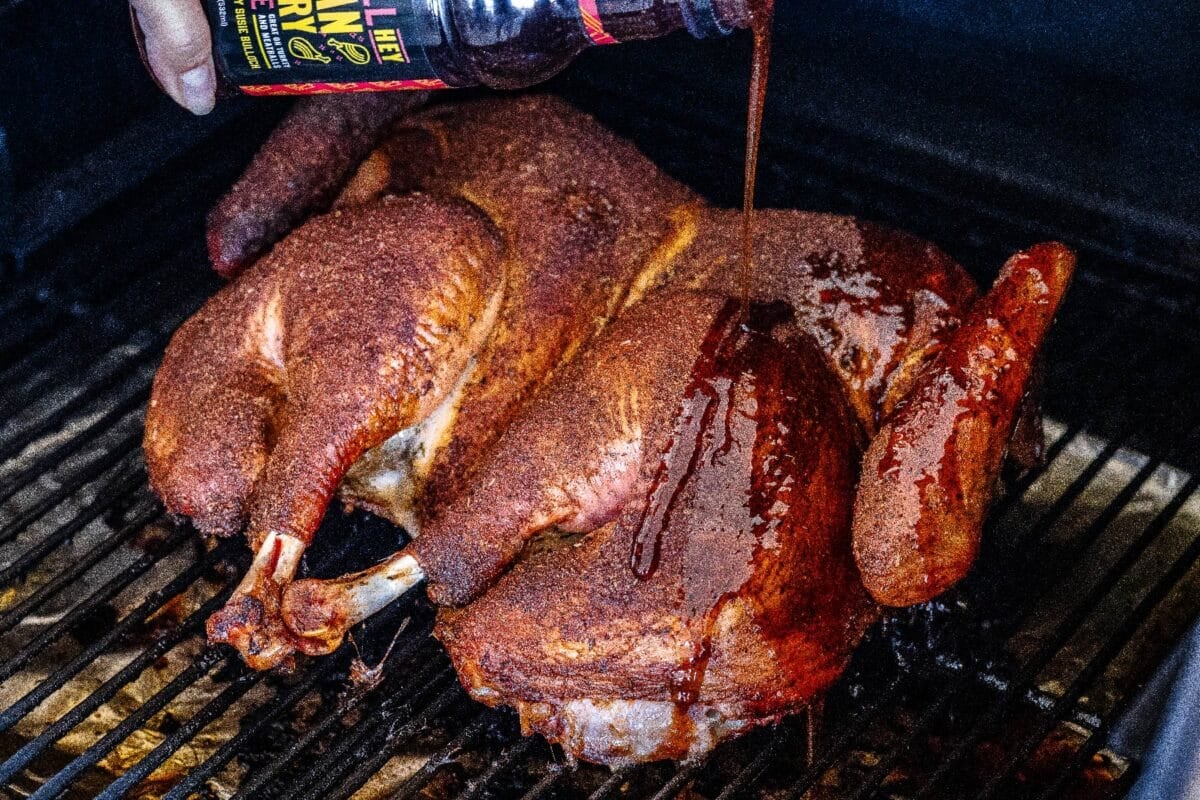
[[593, 23], [315, 46]]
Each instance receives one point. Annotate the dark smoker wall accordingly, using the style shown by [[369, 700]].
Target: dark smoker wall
[[82, 124], [1082, 118], [1092, 101], [70, 78]]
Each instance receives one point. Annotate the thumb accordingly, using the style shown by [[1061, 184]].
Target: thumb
[[179, 50]]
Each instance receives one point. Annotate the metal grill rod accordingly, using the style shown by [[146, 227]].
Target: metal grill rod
[[282, 702], [449, 694], [57, 418], [46, 462], [131, 484], [499, 765], [421, 778], [104, 693], [546, 784], [55, 681], [614, 781], [267, 713], [753, 770], [327, 721], [63, 777], [91, 472], [214, 709], [11, 616]]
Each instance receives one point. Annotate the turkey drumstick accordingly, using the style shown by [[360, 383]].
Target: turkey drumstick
[[572, 459]]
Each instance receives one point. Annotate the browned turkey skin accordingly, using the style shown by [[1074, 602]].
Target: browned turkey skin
[[400, 348]]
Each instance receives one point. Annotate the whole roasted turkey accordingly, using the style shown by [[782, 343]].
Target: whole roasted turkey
[[655, 518]]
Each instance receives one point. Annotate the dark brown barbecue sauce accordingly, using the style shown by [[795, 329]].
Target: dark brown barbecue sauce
[[709, 398], [741, 497], [762, 18]]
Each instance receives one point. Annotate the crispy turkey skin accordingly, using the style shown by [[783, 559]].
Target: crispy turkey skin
[[512, 329]]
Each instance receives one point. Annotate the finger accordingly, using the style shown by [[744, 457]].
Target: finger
[[179, 51]]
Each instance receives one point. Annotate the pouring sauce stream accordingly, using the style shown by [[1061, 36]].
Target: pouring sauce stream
[[762, 17]]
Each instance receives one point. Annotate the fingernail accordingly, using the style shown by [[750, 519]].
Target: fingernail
[[199, 89]]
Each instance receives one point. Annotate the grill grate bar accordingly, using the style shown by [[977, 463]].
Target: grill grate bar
[[58, 454], [214, 709], [846, 734], [267, 713], [152, 705], [1115, 643], [333, 767], [684, 774], [109, 590], [262, 776], [54, 682], [11, 616], [753, 769], [91, 472], [421, 778], [498, 766], [105, 692], [57, 417], [554, 774], [1033, 696], [131, 484], [220, 757], [613, 784]]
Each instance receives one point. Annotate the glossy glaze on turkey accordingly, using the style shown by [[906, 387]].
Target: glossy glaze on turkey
[[495, 339]]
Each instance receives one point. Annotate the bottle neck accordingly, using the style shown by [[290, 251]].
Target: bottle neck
[[649, 19]]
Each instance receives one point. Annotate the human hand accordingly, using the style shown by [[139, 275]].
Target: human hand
[[178, 48]]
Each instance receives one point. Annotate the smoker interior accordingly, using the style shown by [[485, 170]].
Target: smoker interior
[[1008, 687]]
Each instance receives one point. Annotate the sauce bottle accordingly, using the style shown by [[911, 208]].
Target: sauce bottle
[[267, 47]]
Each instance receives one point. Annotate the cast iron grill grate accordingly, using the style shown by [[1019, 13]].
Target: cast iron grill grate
[[1007, 688]]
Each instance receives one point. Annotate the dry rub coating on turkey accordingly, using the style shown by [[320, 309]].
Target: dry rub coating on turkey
[[658, 526]]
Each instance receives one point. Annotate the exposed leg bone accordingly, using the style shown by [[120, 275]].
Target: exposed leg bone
[[250, 620], [323, 611]]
